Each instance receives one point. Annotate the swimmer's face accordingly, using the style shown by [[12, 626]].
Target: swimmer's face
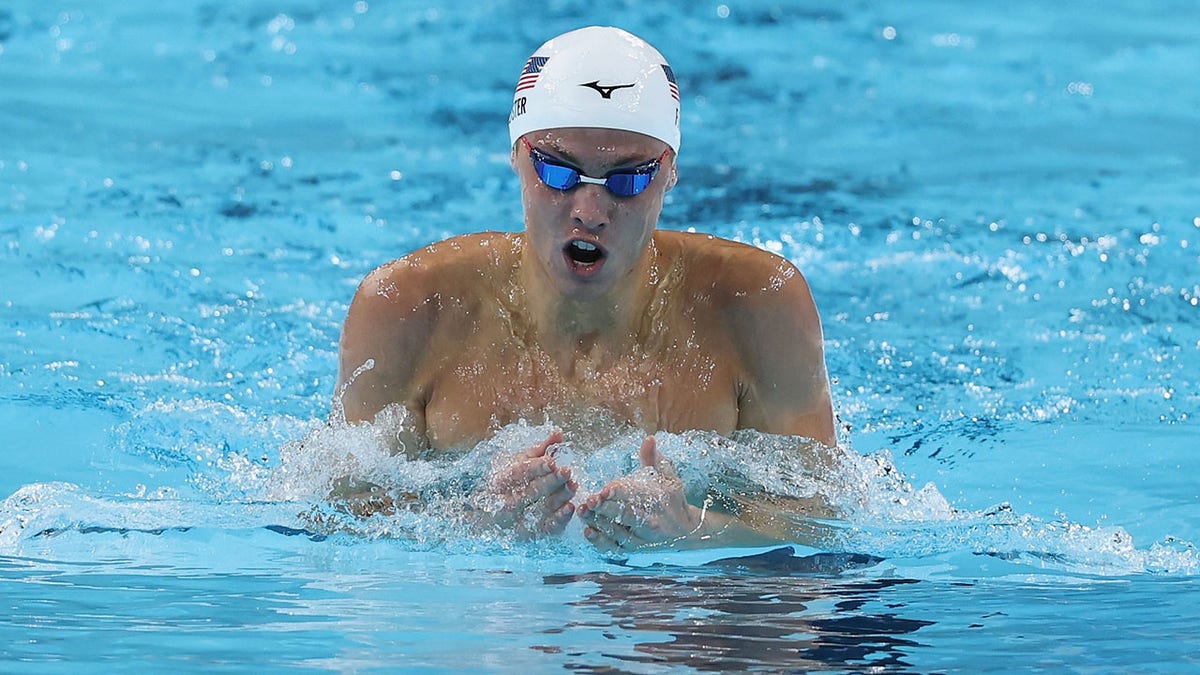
[[586, 239]]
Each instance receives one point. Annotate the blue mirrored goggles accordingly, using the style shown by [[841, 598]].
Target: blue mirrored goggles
[[622, 183]]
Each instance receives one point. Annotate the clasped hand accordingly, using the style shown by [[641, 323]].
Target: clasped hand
[[532, 495]]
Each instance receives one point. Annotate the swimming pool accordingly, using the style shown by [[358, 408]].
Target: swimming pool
[[997, 213]]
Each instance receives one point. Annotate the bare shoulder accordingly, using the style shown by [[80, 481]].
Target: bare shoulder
[[763, 303], [740, 278], [400, 306], [454, 266]]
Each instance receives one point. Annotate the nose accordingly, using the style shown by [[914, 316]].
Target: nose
[[590, 208]]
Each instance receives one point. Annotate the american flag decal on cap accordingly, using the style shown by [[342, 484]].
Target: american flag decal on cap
[[529, 74], [671, 81]]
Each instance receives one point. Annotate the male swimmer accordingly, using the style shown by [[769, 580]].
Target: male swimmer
[[590, 311]]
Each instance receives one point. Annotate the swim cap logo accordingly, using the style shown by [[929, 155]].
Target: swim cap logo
[[529, 74], [605, 92], [671, 84]]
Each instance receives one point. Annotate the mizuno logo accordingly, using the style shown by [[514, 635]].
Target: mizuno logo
[[605, 91]]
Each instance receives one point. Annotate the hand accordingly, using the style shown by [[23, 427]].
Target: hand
[[645, 508], [361, 498], [529, 493]]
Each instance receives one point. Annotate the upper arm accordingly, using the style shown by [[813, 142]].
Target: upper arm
[[778, 333], [385, 335]]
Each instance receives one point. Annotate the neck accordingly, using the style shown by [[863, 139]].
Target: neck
[[597, 330]]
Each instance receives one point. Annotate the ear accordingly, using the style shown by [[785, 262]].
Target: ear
[[673, 176]]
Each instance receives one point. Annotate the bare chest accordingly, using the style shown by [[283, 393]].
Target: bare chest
[[484, 385]]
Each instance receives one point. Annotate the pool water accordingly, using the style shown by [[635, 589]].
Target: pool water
[[997, 212]]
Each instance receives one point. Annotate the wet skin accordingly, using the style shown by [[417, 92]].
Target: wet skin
[[590, 311]]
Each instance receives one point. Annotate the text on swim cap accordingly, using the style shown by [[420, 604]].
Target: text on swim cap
[[518, 109]]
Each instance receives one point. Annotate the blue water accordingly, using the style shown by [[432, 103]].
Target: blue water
[[996, 208]]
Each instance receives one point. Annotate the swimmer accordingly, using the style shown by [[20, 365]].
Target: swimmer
[[591, 312]]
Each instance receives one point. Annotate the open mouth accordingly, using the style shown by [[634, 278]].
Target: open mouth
[[583, 253]]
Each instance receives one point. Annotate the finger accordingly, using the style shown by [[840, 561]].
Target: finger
[[605, 524], [528, 465], [648, 453], [616, 512], [624, 537], [587, 511], [616, 503], [650, 456], [542, 487], [600, 540], [626, 514], [608, 502], [540, 449], [520, 473], [557, 522], [556, 499]]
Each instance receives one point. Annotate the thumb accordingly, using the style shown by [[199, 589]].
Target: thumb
[[651, 457]]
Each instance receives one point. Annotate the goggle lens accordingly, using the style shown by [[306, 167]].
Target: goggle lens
[[625, 183], [555, 175], [628, 184]]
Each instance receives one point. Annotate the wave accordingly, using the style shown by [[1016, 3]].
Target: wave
[[252, 478]]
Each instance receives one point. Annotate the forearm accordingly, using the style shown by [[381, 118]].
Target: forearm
[[759, 522], [718, 529]]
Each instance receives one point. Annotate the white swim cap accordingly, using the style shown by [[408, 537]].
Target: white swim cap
[[598, 77]]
